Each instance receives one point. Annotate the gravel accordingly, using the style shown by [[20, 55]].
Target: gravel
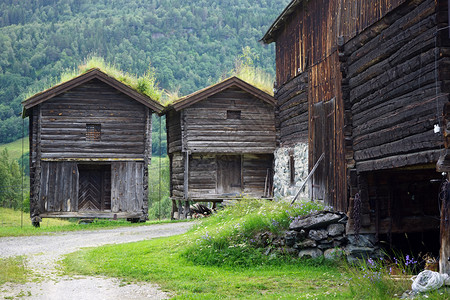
[[44, 252]]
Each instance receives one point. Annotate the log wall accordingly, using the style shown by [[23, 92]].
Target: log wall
[[204, 175], [64, 119], [292, 111], [394, 95], [310, 34], [177, 175], [213, 125], [173, 129]]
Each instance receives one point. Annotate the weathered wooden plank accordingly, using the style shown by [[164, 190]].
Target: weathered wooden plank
[[413, 111], [391, 39], [397, 161], [413, 143], [91, 215]]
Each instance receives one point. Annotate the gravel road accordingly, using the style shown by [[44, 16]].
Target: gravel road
[[44, 252]]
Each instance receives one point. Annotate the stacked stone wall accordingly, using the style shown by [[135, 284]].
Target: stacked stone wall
[[283, 188]]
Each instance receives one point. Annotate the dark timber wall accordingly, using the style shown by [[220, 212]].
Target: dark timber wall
[[208, 129], [90, 145], [64, 119], [394, 94], [221, 142]]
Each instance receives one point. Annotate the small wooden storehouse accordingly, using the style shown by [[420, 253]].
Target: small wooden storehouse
[[90, 146], [220, 143], [365, 83]]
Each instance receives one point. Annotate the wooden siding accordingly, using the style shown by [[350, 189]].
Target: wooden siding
[[256, 169], [127, 190], [202, 175], [207, 129], [173, 129], [310, 34], [209, 175], [177, 175], [393, 95], [64, 119], [59, 187], [292, 111]]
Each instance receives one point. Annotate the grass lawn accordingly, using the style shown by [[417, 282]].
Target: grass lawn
[[214, 261], [15, 148], [161, 261], [13, 269], [10, 224], [218, 259]]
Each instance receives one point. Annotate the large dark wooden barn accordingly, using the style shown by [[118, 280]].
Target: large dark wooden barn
[[220, 143], [365, 82], [90, 146]]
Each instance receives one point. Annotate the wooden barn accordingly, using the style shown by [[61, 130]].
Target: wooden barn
[[365, 83], [220, 144], [90, 146]]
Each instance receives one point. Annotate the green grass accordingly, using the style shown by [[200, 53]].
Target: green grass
[[145, 84], [160, 261], [220, 258], [187, 265], [13, 269], [10, 224], [15, 148]]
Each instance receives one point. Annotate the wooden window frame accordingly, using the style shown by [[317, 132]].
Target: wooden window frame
[[93, 132]]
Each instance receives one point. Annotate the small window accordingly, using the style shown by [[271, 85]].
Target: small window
[[93, 132], [234, 114], [292, 169]]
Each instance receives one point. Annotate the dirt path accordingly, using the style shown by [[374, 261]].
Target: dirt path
[[43, 253]]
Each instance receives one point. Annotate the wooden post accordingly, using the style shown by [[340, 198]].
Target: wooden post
[[444, 262]]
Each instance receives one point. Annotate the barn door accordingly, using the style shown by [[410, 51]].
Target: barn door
[[229, 174], [323, 142], [94, 193]]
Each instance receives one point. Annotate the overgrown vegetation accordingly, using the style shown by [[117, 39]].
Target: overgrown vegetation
[[13, 269], [245, 69], [145, 84], [239, 235]]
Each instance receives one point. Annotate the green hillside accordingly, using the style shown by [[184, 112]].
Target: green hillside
[[15, 148], [191, 44]]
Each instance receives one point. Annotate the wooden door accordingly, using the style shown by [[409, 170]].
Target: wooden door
[[94, 192], [229, 175], [323, 140]]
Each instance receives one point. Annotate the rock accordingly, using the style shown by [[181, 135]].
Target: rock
[[319, 220], [335, 229], [305, 244], [333, 254], [355, 253], [336, 243], [364, 240], [290, 237], [340, 238], [324, 246], [310, 253], [318, 235]]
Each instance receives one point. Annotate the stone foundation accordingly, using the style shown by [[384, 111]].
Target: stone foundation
[[323, 234], [283, 188]]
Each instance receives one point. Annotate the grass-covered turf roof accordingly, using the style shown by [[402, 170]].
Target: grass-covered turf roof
[[145, 84]]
